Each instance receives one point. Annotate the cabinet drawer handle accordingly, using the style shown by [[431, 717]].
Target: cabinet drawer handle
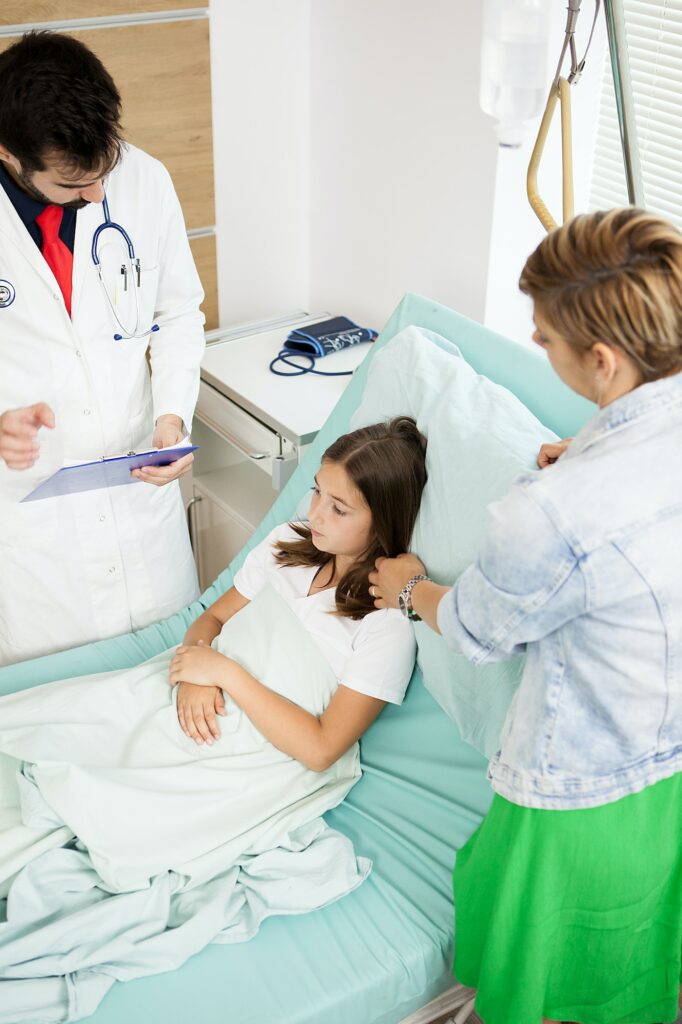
[[190, 522]]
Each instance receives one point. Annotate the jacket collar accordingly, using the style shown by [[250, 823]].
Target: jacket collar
[[658, 397]]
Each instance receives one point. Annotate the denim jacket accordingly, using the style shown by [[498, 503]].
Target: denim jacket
[[581, 569]]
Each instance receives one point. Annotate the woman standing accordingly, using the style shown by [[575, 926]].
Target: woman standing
[[569, 895]]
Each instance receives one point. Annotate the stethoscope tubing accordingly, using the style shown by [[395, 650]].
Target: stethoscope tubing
[[108, 223]]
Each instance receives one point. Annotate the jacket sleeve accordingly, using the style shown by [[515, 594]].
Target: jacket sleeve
[[176, 349], [526, 583]]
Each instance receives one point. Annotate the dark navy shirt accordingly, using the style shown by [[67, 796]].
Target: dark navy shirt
[[28, 209]]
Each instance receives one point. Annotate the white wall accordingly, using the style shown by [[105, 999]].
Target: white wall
[[402, 158], [260, 79], [352, 160]]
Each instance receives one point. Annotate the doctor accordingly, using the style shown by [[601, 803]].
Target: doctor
[[76, 320]]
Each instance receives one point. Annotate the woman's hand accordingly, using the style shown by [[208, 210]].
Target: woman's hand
[[197, 710], [549, 453], [390, 576], [200, 665]]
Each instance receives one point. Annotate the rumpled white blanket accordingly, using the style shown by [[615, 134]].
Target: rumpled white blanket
[[177, 845]]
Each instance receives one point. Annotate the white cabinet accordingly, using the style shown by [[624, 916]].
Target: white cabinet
[[227, 505]]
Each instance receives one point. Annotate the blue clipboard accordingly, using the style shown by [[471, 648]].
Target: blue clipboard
[[92, 476]]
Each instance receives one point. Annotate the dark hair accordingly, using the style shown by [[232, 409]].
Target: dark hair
[[615, 277], [387, 464], [57, 97]]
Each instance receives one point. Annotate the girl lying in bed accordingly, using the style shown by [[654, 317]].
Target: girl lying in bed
[[365, 502], [302, 665]]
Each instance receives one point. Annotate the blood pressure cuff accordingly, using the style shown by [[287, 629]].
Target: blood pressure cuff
[[318, 340]]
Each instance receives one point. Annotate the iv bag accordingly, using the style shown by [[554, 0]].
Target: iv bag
[[514, 64]]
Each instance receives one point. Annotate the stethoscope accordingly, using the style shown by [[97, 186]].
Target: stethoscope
[[130, 271]]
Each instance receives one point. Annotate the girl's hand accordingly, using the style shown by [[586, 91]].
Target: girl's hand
[[390, 576], [200, 665], [549, 453], [197, 709]]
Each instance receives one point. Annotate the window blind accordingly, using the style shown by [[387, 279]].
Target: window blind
[[654, 41]]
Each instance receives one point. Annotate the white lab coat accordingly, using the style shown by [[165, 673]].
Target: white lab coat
[[83, 567]]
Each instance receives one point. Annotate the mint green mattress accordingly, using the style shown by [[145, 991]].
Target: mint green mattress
[[380, 953]]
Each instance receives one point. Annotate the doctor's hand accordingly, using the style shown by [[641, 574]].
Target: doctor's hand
[[549, 453], [197, 710], [18, 434], [168, 432], [390, 576]]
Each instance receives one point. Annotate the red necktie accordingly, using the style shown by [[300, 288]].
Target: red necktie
[[58, 256]]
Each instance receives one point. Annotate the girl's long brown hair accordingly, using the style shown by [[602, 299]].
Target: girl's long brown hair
[[386, 462]]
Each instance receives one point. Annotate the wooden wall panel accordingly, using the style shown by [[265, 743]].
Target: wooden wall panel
[[204, 252], [24, 12], [163, 74]]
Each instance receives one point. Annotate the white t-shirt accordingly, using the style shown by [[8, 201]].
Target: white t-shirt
[[373, 655]]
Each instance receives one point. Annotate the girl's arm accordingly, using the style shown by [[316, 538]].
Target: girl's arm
[[197, 706], [317, 742], [210, 622]]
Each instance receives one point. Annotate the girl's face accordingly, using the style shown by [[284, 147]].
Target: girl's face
[[340, 520]]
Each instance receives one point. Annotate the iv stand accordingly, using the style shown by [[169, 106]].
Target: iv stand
[[620, 67]]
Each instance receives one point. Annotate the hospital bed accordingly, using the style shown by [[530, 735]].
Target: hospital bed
[[383, 952]]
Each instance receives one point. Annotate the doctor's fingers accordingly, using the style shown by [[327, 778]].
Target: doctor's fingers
[[29, 417], [160, 475], [18, 455], [41, 414]]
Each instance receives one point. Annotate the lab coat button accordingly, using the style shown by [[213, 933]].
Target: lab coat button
[[86, 412], [78, 353], [102, 518], [112, 569]]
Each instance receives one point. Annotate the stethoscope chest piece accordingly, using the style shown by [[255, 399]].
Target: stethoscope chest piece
[[7, 293]]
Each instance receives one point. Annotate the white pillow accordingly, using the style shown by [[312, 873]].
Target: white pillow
[[480, 437]]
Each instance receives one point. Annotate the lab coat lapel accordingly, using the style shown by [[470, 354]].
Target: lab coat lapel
[[14, 234], [86, 222]]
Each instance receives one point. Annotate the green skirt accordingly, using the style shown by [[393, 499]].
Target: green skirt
[[574, 915]]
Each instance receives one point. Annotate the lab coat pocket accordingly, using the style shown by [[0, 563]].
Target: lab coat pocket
[[139, 429], [131, 304]]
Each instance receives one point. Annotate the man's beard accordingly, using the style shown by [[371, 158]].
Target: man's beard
[[35, 193]]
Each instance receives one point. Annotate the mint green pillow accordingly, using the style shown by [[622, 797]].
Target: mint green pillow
[[480, 438]]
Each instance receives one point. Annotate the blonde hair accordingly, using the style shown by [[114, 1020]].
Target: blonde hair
[[614, 277]]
